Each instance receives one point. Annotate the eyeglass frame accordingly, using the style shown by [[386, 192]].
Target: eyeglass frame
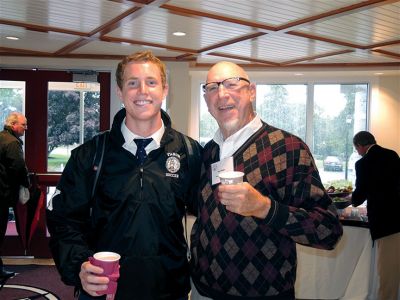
[[222, 82]]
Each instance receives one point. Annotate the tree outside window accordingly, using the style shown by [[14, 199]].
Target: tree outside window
[[73, 118]]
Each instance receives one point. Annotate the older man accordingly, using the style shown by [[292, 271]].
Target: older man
[[13, 172], [244, 240]]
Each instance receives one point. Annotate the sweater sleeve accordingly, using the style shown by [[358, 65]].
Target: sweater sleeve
[[301, 208]]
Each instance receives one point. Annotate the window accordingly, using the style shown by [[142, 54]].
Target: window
[[325, 116], [12, 98], [73, 118], [283, 106], [340, 111], [208, 125]]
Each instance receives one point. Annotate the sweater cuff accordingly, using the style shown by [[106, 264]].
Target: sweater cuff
[[277, 215]]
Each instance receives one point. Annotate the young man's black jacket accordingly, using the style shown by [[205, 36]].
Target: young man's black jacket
[[137, 212]]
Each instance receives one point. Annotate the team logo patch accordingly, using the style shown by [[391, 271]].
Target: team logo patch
[[173, 164]]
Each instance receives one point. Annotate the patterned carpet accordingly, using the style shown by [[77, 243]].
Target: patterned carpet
[[35, 282]]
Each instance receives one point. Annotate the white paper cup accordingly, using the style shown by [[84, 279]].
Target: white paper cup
[[231, 177]]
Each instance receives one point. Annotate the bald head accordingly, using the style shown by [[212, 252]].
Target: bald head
[[229, 95], [225, 69]]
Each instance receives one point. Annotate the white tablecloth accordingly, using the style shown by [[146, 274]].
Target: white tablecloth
[[347, 272]]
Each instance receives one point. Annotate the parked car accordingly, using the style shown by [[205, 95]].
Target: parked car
[[333, 163]]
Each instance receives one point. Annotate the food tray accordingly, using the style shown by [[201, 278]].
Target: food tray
[[339, 194], [341, 204]]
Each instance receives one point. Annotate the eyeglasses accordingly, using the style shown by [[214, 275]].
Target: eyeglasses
[[230, 84]]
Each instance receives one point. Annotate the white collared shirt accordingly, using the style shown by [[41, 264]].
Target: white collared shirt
[[129, 136], [236, 140]]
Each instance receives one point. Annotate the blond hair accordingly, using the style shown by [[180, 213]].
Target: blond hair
[[142, 56]]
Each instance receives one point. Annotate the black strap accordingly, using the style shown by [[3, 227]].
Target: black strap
[[193, 170], [98, 158]]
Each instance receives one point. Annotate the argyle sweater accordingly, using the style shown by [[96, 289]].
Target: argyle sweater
[[237, 257]]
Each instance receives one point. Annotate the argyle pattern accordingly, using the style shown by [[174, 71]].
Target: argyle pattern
[[248, 257]]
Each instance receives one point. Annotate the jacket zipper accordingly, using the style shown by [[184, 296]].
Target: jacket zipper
[[141, 179]]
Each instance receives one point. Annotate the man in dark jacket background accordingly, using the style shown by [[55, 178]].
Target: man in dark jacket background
[[13, 172], [378, 182], [140, 200]]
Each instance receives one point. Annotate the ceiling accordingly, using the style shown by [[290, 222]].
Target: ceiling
[[266, 33]]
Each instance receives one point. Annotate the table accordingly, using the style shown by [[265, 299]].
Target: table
[[347, 272]]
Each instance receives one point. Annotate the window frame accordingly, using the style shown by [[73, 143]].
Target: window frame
[[284, 77]]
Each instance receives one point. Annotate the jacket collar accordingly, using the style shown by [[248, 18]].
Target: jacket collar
[[8, 129], [120, 116]]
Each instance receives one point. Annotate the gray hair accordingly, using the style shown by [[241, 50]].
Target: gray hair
[[12, 118]]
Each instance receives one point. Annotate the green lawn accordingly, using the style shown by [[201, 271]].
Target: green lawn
[[55, 160]]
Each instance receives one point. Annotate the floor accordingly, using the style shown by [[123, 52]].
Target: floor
[[20, 260]]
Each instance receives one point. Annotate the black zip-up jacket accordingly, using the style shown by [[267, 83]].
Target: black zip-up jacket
[[137, 212]]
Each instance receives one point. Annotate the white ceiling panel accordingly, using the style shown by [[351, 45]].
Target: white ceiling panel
[[272, 12], [46, 42], [157, 26], [280, 33], [77, 15], [367, 27]]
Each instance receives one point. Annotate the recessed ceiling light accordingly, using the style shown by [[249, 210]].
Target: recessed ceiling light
[[298, 74], [379, 73], [179, 33], [14, 38]]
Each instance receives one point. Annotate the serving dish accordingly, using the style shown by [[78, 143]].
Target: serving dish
[[339, 194], [341, 203]]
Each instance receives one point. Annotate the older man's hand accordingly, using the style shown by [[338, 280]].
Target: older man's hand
[[244, 199]]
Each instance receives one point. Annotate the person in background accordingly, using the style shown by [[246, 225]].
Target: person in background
[[140, 200], [378, 182], [13, 172], [243, 242]]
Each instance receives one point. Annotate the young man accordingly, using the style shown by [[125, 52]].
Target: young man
[[378, 182], [13, 172], [140, 198], [244, 240]]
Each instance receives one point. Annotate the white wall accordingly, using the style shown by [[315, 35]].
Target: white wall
[[184, 86], [385, 112]]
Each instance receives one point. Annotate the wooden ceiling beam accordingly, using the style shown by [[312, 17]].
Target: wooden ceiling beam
[[135, 42], [113, 24], [289, 62], [325, 39], [387, 53], [383, 44], [244, 58], [357, 7], [393, 65], [230, 42], [41, 28], [196, 14]]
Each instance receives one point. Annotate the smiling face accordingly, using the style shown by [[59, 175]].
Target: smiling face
[[231, 108], [142, 93]]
